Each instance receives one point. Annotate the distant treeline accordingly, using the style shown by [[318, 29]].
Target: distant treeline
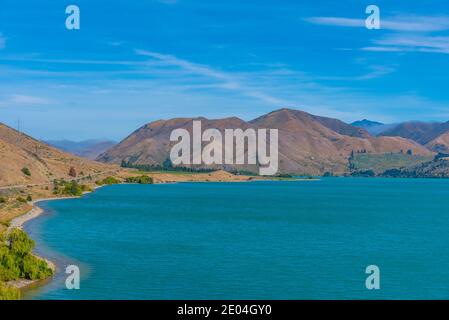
[[437, 168], [166, 166]]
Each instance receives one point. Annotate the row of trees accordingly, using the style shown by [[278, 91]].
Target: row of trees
[[166, 166]]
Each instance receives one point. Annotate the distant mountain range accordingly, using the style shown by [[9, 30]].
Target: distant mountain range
[[373, 127], [308, 144], [433, 135], [366, 124], [89, 149]]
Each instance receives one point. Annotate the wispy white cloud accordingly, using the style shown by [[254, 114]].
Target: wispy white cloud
[[186, 65], [21, 99], [411, 42], [411, 33], [75, 61], [168, 86], [382, 49], [336, 21], [375, 71], [228, 80], [398, 23]]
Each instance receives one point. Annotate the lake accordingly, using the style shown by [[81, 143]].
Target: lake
[[255, 240]]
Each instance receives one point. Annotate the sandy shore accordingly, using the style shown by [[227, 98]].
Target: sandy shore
[[35, 212]]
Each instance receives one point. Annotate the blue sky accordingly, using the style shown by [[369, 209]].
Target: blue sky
[[133, 62]]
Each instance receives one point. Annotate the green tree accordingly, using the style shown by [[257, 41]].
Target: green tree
[[9, 293], [19, 243], [26, 171], [107, 181], [140, 179]]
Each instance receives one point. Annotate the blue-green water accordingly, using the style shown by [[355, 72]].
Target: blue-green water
[[258, 240]]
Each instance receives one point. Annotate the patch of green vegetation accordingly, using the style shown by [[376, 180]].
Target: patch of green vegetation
[[17, 262], [2, 199], [186, 173], [363, 173], [9, 293], [68, 188], [243, 173], [26, 171], [141, 180], [22, 200], [438, 168], [107, 181], [73, 189], [378, 163], [166, 167], [284, 175]]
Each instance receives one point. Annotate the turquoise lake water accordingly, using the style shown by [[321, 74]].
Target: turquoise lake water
[[257, 240]]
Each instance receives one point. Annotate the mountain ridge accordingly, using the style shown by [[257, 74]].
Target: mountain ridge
[[89, 149], [308, 144]]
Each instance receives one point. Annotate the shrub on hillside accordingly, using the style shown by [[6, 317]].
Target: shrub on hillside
[[22, 200], [140, 180], [26, 171], [72, 189], [107, 181], [67, 188], [72, 172]]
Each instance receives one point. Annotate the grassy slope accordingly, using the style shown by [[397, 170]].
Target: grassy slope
[[381, 162]]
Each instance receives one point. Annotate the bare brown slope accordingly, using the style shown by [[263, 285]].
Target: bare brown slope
[[308, 144], [440, 144], [421, 132], [150, 144], [45, 163]]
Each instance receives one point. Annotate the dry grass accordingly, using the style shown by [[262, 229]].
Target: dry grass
[[11, 210]]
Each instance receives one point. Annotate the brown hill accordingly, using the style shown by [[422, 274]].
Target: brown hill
[[308, 144], [45, 163], [440, 143], [421, 132], [151, 145], [433, 135]]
